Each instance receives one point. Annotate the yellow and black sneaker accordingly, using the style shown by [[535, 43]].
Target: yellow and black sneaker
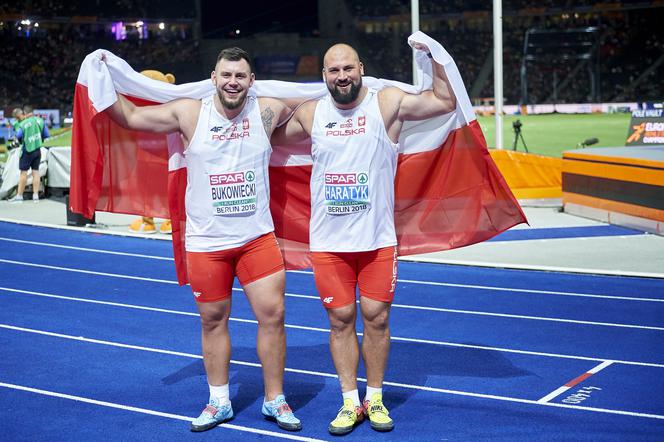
[[378, 414], [349, 415]]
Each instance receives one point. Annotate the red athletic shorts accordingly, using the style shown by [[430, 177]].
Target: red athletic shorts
[[338, 274], [211, 273]]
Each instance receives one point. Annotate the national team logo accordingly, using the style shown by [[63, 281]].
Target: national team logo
[[361, 121], [245, 124]]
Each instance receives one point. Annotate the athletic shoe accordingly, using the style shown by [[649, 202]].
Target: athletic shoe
[[35, 198], [279, 411], [212, 415], [166, 227], [16, 199], [349, 415], [140, 226], [378, 414]]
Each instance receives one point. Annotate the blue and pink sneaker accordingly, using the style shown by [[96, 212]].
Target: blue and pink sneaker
[[213, 415], [279, 411]]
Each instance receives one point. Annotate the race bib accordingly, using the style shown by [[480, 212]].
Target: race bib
[[233, 193], [346, 193]]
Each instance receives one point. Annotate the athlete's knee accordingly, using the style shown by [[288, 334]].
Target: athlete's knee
[[214, 319], [377, 320], [272, 315], [342, 320]]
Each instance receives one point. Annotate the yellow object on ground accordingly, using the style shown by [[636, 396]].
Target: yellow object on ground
[[530, 176]]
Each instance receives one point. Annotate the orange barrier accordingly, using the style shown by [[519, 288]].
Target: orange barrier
[[627, 180], [530, 176]]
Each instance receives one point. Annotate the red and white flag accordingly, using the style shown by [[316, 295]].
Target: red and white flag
[[448, 192]]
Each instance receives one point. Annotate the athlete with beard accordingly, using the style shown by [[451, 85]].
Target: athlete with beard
[[354, 145], [229, 230]]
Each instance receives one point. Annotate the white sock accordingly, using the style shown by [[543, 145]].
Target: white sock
[[354, 395], [220, 393], [371, 391]]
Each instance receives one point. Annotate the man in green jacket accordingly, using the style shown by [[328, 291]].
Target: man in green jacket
[[31, 132]]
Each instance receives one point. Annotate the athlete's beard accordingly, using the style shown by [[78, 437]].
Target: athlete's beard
[[231, 105], [348, 97]]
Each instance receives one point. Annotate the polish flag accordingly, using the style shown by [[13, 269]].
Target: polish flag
[[448, 192]]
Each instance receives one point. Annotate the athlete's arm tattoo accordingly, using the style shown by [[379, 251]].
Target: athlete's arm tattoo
[[267, 115]]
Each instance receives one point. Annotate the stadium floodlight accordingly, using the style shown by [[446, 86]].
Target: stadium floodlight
[[162, 25]]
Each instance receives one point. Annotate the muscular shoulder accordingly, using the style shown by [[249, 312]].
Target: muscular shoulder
[[305, 114], [187, 110], [307, 108], [389, 101]]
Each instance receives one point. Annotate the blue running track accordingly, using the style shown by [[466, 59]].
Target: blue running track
[[98, 342]]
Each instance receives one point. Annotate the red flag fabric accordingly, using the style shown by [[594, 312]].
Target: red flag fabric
[[448, 192]]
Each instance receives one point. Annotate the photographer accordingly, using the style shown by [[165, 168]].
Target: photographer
[[30, 131]]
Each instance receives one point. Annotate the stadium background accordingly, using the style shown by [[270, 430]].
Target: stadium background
[[44, 42]]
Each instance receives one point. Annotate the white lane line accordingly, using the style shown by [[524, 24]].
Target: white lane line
[[534, 318], [512, 290], [96, 229], [330, 375], [325, 330], [150, 412], [406, 281], [558, 391], [536, 267], [89, 272], [85, 249], [404, 306]]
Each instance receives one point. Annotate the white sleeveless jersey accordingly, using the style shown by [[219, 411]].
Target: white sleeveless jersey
[[227, 199], [352, 180]]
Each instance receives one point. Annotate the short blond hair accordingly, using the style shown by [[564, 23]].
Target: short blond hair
[[17, 111]]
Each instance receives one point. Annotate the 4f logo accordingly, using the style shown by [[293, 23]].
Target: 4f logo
[[216, 129], [331, 125], [328, 300]]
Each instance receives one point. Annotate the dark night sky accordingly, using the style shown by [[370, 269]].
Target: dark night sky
[[253, 16]]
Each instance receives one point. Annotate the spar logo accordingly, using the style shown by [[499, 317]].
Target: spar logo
[[223, 179], [346, 178], [348, 127], [341, 178]]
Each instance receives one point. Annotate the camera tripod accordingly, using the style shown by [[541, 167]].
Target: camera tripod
[[518, 135]]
